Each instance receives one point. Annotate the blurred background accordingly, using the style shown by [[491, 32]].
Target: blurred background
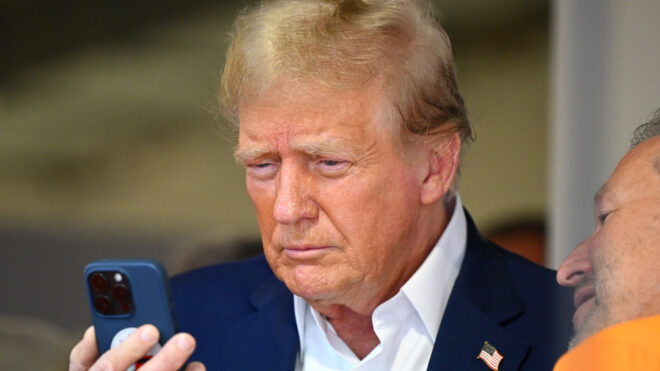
[[110, 146]]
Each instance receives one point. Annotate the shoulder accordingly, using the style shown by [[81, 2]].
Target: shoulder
[[226, 277], [232, 309], [540, 292], [535, 286], [486, 261], [219, 291], [547, 308], [625, 346], [529, 276]]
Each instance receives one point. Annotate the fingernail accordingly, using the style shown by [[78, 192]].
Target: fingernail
[[185, 343], [195, 366], [149, 335]]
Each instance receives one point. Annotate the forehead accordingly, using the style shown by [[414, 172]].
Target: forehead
[[643, 158], [638, 172], [308, 113]]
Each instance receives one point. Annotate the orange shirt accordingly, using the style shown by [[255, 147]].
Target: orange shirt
[[632, 345]]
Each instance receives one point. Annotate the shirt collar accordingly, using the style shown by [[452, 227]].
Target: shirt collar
[[437, 274]]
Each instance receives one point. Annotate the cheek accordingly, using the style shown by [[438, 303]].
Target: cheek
[[373, 216], [601, 257], [263, 198], [614, 269]]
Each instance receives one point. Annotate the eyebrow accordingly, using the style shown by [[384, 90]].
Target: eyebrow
[[600, 194], [326, 147], [243, 155]]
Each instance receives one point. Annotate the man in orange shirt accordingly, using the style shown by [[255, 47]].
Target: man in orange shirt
[[616, 271]]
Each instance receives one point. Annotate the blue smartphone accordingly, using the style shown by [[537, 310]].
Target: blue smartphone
[[125, 294]]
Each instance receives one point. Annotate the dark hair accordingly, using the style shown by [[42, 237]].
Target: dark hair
[[647, 130]]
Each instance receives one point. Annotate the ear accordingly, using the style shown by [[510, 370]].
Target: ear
[[442, 167]]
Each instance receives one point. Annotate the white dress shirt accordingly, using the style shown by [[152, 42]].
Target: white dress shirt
[[406, 324]]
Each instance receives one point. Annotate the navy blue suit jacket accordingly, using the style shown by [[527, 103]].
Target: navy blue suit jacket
[[243, 319]]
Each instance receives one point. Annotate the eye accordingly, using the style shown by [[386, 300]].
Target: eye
[[262, 170], [602, 217], [331, 167]]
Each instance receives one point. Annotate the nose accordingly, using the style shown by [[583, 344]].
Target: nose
[[575, 267], [293, 201]]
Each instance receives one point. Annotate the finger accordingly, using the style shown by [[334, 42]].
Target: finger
[[84, 353], [173, 355], [196, 366], [129, 351]]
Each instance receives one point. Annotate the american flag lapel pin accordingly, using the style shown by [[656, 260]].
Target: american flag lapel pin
[[490, 356]]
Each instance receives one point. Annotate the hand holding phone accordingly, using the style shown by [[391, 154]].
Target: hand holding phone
[[123, 296], [174, 354]]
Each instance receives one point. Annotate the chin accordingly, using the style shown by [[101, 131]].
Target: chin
[[314, 294], [306, 282], [594, 320]]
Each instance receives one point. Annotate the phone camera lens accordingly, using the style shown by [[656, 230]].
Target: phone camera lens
[[103, 305], [120, 292], [126, 307], [98, 282]]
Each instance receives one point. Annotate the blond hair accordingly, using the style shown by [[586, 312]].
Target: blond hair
[[348, 44]]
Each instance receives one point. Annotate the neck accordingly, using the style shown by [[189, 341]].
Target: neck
[[353, 321], [355, 329]]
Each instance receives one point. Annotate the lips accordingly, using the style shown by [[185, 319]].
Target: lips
[[582, 295], [583, 300], [305, 252]]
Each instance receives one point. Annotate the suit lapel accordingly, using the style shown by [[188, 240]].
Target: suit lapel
[[483, 300], [273, 340]]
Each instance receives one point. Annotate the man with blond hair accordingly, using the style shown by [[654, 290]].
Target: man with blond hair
[[616, 271], [351, 128]]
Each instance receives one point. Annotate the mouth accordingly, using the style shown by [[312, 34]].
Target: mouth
[[583, 301], [305, 252]]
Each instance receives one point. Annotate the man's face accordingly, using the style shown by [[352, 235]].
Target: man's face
[[616, 270], [336, 199]]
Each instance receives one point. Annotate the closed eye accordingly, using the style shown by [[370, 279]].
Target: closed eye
[[331, 167], [262, 170], [602, 217]]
